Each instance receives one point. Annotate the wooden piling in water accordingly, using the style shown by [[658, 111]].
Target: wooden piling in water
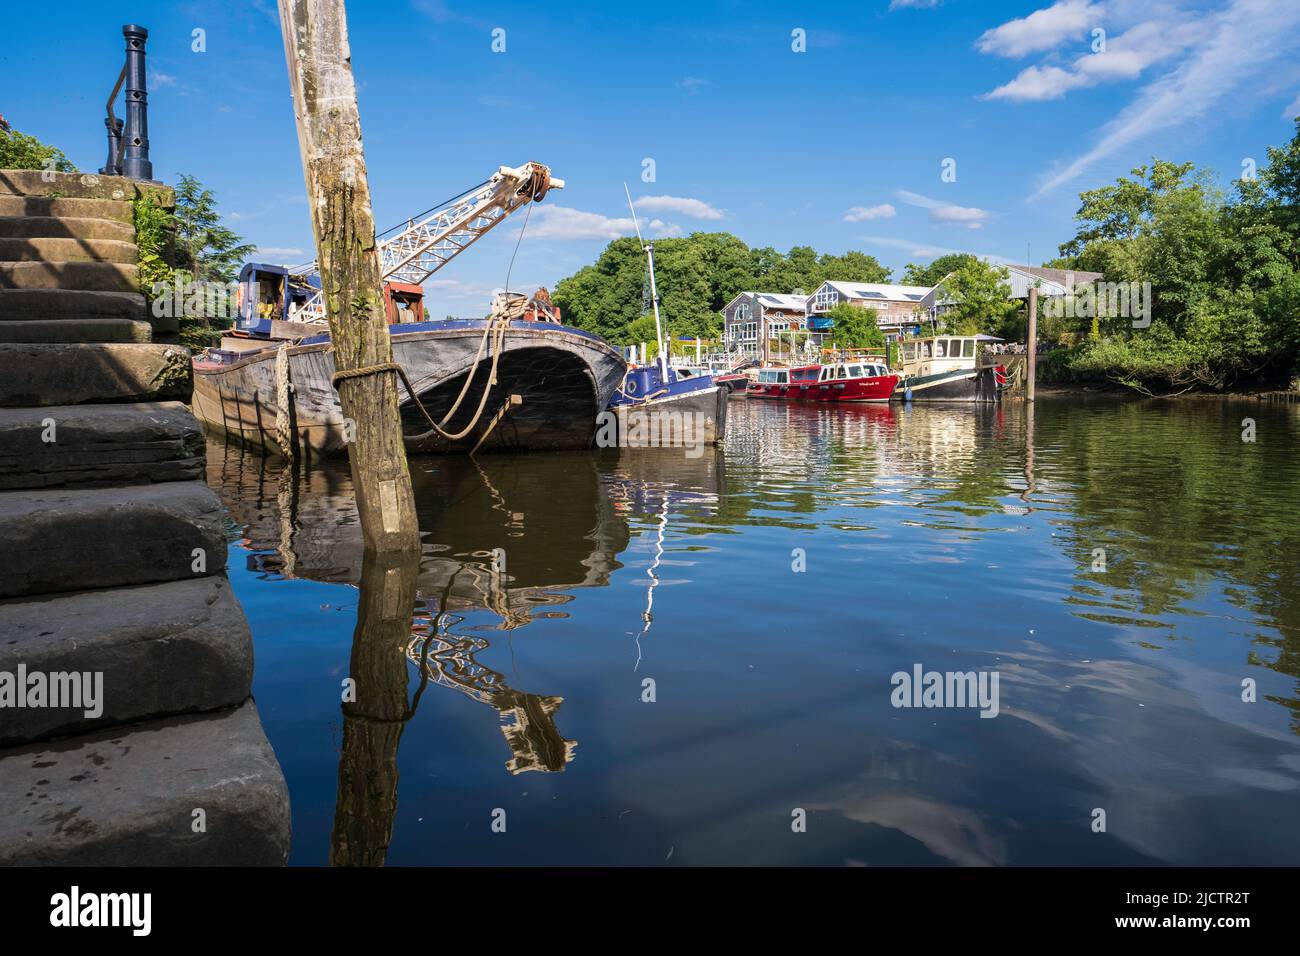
[[1031, 345], [329, 136]]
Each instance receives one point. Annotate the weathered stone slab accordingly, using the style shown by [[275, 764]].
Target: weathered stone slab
[[74, 374], [40, 182], [67, 227], [82, 276], [162, 649], [81, 445], [75, 539], [59, 250], [118, 210], [76, 330], [44, 304], [128, 796]]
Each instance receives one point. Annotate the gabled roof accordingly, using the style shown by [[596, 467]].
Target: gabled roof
[[878, 290], [772, 300], [1060, 276]]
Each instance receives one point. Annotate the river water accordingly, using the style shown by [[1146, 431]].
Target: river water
[[649, 658]]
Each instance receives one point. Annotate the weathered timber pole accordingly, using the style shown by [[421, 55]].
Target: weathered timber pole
[[1031, 345], [329, 136]]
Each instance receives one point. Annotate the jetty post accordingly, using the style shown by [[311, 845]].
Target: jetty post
[[329, 136], [1031, 345]]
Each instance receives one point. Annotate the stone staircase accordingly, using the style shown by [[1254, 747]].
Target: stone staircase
[[112, 562]]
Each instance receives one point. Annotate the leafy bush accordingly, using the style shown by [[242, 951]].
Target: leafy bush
[[20, 151]]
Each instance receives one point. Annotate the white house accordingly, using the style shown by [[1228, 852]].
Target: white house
[[895, 306]]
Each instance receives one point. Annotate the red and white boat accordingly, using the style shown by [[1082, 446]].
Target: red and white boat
[[780, 382], [861, 381]]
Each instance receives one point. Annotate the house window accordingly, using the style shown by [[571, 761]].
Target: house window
[[827, 298]]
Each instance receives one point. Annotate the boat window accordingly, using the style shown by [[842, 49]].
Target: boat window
[[968, 348], [909, 352], [940, 348], [925, 350], [855, 371], [782, 377], [826, 372]]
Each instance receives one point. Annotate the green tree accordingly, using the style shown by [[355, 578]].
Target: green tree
[[20, 151], [930, 275], [854, 327], [976, 299], [205, 248]]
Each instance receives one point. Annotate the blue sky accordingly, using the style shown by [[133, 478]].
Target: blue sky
[[838, 147]]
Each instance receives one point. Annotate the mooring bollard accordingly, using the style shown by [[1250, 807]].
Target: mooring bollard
[[136, 164], [128, 143]]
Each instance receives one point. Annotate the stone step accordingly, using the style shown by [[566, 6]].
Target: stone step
[[77, 374], [81, 276], [26, 305], [69, 227], [68, 446], [76, 330], [60, 540], [60, 250], [155, 650], [45, 206], [40, 182], [128, 796]]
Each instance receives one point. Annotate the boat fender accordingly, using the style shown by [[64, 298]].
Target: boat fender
[[907, 394]]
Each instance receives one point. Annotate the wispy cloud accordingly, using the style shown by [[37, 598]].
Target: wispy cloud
[[1042, 30], [691, 84], [695, 208], [1235, 50], [158, 80], [562, 222], [1293, 109], [1125, 57], [969, 217], [863, 213], [917, 4]]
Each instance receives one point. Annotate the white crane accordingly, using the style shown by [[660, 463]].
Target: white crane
[[412, 252]]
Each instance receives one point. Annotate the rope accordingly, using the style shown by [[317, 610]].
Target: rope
[[283, 422], [498, 341]]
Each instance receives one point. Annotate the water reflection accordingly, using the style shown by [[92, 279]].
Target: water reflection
[[960, 537]]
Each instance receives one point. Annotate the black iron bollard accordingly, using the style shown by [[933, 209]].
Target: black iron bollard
[[114, 128], [135, 162]]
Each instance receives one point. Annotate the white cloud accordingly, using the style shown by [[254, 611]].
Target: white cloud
[[695, 208], [1125, 57], [1042, 30], [1293, 110], [282, 254], [971, 217], [159, 80], [691, 84], [1234, 51], [863, 213], [918, 4], [562, 222]]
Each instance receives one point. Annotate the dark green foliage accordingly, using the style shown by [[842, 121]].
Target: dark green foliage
[[697, 276], [20, 151], [1223, 270]]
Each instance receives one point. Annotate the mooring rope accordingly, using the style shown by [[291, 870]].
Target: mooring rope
[[283, 414], [498, 341]]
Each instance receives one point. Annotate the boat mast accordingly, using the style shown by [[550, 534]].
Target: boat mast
[[649, 248]]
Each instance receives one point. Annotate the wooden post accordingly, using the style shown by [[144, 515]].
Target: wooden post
[[1031, 345], [329, 136]]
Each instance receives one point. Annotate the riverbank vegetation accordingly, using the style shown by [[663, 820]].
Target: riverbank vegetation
[[697, 276], [1224, 272]]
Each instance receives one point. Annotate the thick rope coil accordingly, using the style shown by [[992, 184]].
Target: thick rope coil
[[283, 412]]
